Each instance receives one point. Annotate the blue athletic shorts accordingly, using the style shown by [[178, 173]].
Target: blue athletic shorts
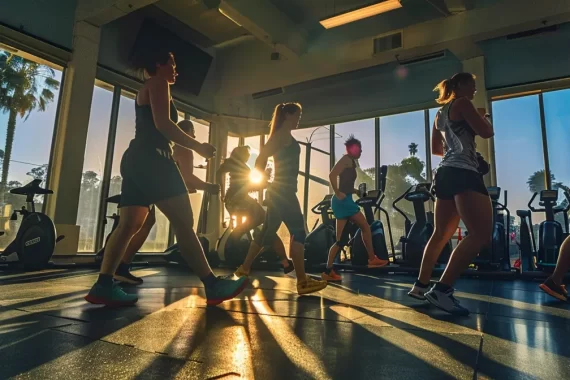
[[344, 209]]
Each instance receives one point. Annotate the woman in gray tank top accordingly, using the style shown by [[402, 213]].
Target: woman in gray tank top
[[460, 191]]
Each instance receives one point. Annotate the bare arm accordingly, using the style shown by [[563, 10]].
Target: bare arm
[[436, 140], [159, 94], [480, 125], [269, 149], [343, 163]]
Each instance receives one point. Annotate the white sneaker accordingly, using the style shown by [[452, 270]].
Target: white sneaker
[[446, 301]]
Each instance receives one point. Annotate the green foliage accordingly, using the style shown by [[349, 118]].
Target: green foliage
[[25, 86]]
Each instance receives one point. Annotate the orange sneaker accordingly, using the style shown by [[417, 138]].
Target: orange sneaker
[[332, 276], [377, 263]]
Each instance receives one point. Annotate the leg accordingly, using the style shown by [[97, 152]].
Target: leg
[[554, 285], [179, 212], [366, 233], [446, 220], [476, 212], [140, 237], [333, 251], [132, 219], [104, 291]]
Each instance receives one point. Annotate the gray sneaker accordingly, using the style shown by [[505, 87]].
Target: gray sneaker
[[446, 301]]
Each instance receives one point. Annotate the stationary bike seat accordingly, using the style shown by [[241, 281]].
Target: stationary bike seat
[[114, 199], [32, 188]]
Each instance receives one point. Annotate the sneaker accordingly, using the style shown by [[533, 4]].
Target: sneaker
[[310, 286], [289, 268], [110, 296], [332, 276], [419, 291], [225, 289], [127, 277], [240, 272], [377, 263], [556, 291], [446, 301]]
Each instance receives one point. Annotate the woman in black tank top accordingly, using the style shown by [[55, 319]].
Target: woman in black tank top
[[343, 178], [459, 189], [282, 203], [239, 203], [151, 176]]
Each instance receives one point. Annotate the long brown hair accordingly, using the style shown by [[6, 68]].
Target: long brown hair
[[447, 87], [279, 115]]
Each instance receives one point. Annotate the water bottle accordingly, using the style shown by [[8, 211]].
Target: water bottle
[[362, 190]]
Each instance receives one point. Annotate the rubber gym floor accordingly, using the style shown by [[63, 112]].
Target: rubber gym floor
[[365, 328]]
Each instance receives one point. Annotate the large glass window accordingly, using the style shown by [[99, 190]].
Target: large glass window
[[24, 158], [93, 166], [435, 160], [200, 165], [254, 143], [402, 148], [518, 150], [557, 117]]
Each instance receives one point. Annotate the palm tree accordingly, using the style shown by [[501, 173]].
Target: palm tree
[[413, 148], [536, 181], [24, 87]]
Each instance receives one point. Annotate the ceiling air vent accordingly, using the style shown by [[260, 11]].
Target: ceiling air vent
[[422, 58], [264, 94], [387, 42], [534, 32]]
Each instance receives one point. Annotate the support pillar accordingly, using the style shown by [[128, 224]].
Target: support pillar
[[71, 135], [481, 101], [218, 138]]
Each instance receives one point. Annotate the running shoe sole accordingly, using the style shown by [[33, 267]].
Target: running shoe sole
[[434, 303], [103, 301], [214, 302], [552, 293], [126, 280], [312, 290], [330, 279], [417, 296]]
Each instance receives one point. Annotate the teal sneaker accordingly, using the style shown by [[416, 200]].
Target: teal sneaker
[[110, 296], [225, 289]]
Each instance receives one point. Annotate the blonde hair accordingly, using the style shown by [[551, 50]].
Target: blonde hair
[[447, 87], [279, 115]]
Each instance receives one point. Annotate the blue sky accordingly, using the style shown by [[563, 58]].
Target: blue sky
[[518, 145]]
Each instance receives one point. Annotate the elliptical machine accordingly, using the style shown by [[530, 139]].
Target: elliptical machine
[[370, 203], [543, 255], [36, 238], [497, 256], [419, 232]]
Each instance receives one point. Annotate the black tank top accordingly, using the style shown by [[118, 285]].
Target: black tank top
[[239, 177], [287, 167], [347, 178], [146, 133]]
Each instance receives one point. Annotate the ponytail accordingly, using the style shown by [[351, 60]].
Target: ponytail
[[279, 113], [446, 87]]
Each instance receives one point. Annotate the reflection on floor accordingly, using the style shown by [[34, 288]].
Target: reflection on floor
[[366, 328]]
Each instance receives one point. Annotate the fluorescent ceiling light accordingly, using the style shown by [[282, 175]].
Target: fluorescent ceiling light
[[361, 13]]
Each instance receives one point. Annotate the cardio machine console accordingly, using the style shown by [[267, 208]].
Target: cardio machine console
[[371, 197], [494, 192], [549, 195]]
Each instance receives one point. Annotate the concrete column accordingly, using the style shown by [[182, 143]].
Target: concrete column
[[481, 101], [71, 135], [218, 138]]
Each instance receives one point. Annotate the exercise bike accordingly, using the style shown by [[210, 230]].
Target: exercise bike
[[497, 256], [36, 238], [419, 232], [542, 256]]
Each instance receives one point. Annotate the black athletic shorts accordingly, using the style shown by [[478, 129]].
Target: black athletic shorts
[[450, 181], [245, 205], [282, 207], [149, 176]]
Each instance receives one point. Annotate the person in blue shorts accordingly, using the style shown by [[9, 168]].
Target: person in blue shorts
[[342, 179]]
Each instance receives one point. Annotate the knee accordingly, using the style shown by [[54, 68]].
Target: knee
[[298, 235], [129, 228], [183, 224]]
